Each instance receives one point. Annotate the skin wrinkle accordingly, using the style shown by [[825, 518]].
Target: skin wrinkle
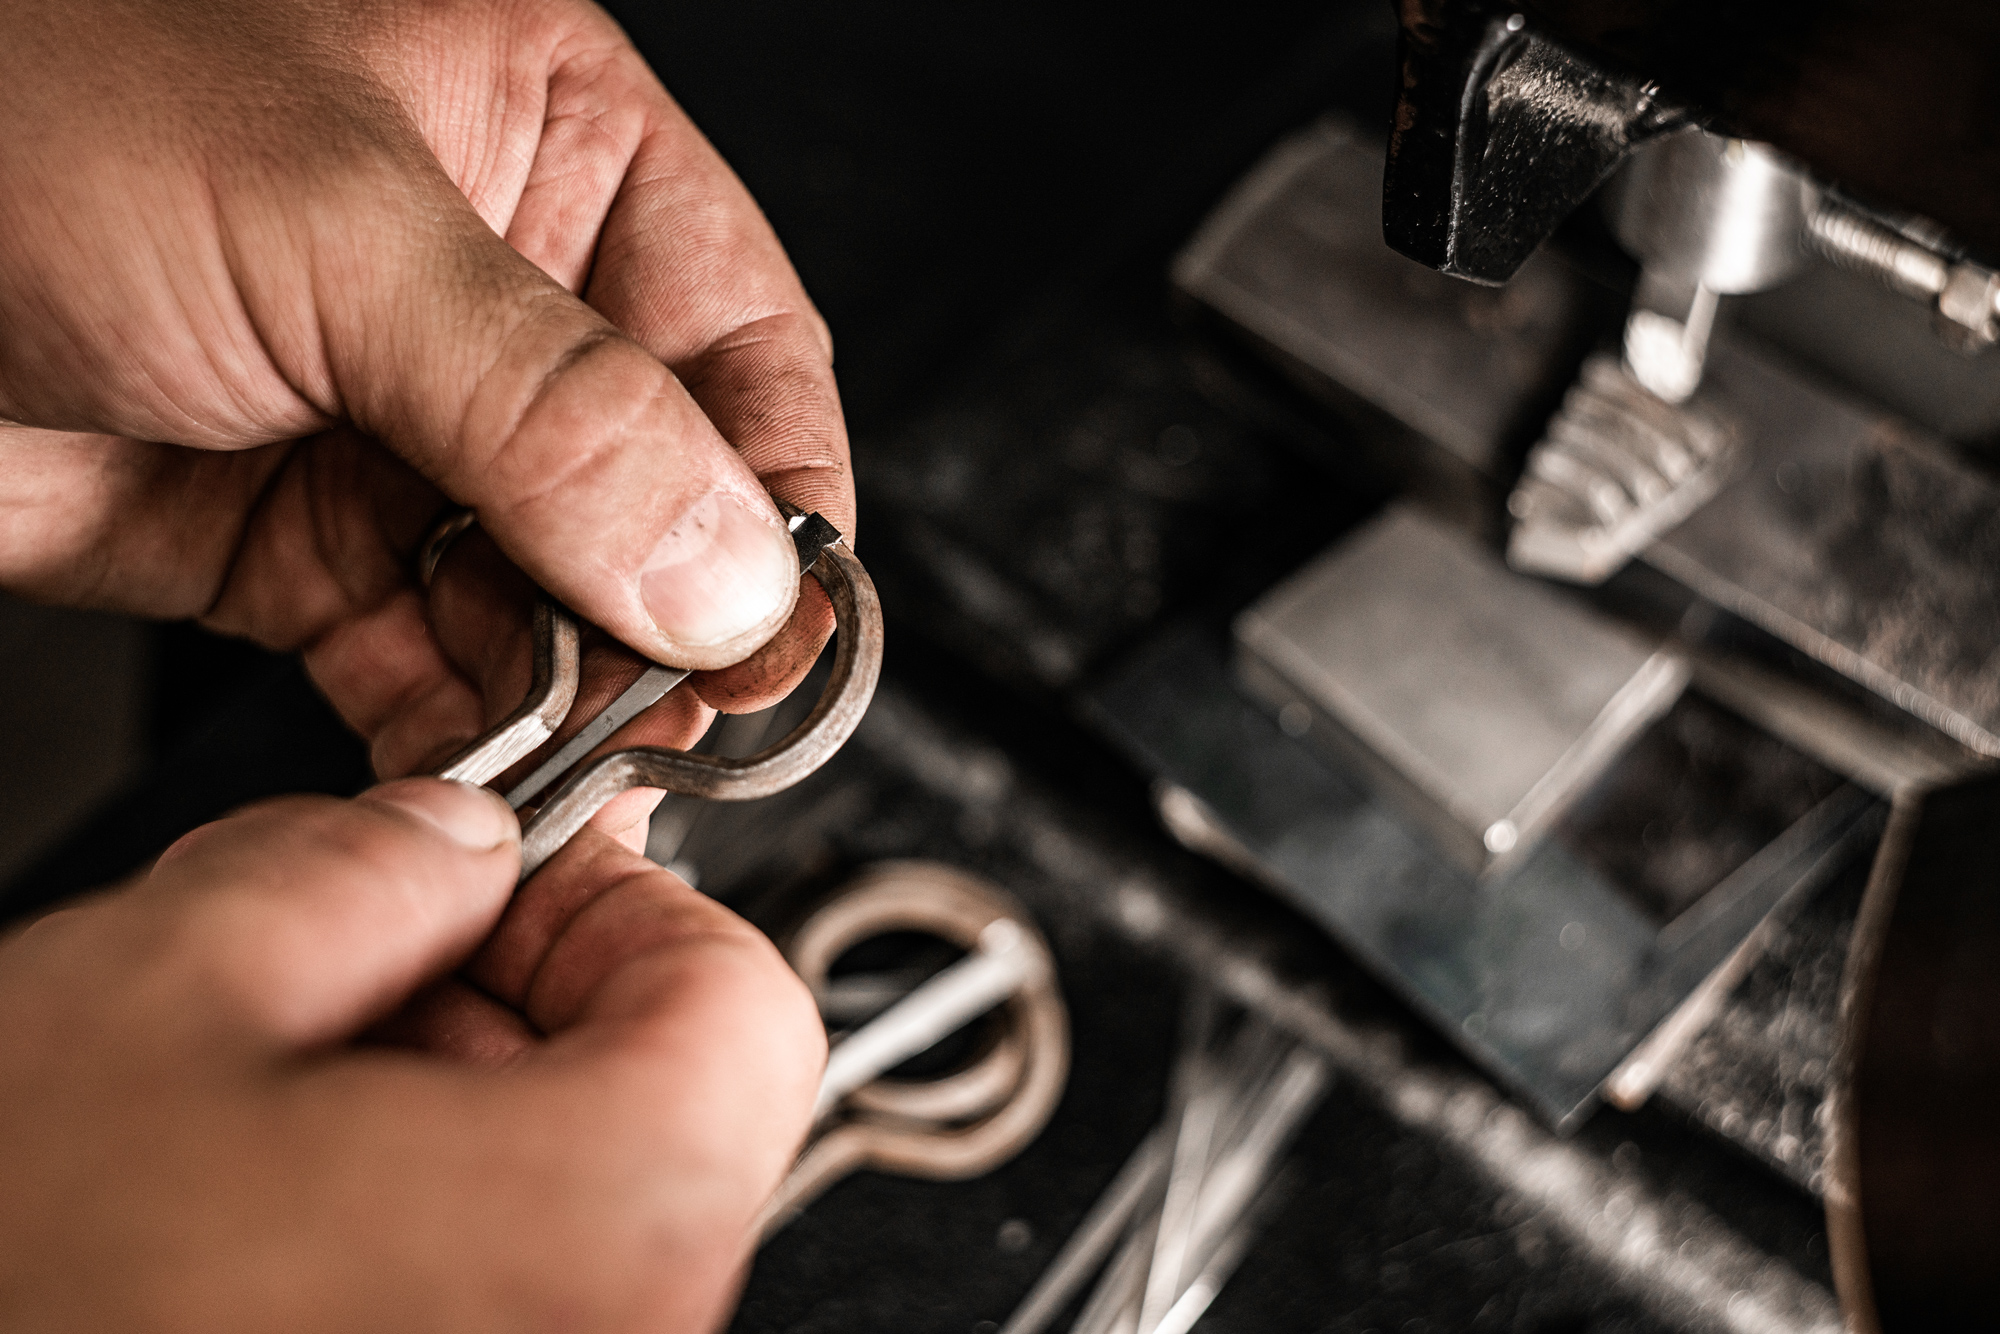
[[600, 449], [322, 399], [493, 166], [697, 311], [313, 377], [798, 394], [333, 293], [361, 283], [218, 583], [47, 315], [595, 153], [525, 325], [194, 292]]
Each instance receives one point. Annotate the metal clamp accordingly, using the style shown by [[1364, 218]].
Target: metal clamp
[[857, 666]]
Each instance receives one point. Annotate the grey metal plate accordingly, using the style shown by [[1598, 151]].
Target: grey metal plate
[[1856, 538], [1295, 258], [1482, 699], [1547, 977]]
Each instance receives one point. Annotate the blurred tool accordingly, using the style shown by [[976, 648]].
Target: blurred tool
[[1179, 1216], [1002, 961], [1707, 217], [1913, 1189], [1524, 700], [552, 691], [969, 1120], [1509, 117], [1619, 467], [1632, 454]]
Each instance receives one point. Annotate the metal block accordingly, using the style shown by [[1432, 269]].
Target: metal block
[[1550, 976], [1480, 701]]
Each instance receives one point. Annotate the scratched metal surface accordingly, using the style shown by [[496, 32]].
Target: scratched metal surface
[[1427, 1201], [1856, 538]]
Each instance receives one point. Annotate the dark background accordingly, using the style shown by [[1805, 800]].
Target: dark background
[[983, 200]]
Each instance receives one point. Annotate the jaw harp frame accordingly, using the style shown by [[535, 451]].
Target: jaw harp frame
[[857, 665]]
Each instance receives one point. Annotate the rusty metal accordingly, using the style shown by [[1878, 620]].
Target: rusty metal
[[857, 666], [970, 1120]]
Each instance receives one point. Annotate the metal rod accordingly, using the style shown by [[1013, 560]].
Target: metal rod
[[551, 692], [1084, 1252], [1004, 962], [651, 687]]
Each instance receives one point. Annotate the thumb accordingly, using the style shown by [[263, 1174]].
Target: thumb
[[305, 918], [584, 456]]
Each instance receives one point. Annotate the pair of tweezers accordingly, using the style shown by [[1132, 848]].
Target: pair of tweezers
[[857, 665]]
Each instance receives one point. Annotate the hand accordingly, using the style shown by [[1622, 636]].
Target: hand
[[278, 277], [189, 1140]]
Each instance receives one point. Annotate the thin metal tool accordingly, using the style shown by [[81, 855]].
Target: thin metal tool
[[1130, 1193], [810, 534], [1184, 1209], [552, 692], [1001, 964], [651, 687], [959, 1124]]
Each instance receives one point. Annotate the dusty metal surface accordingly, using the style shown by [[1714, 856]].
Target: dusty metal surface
[[1757, 1073], [1855, 538], [1616, 468], [1548, 976], [1480, 701], [1463, 375], [1425, 1201]]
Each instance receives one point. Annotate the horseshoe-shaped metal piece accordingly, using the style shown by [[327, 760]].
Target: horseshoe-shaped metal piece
[[857, 666]]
